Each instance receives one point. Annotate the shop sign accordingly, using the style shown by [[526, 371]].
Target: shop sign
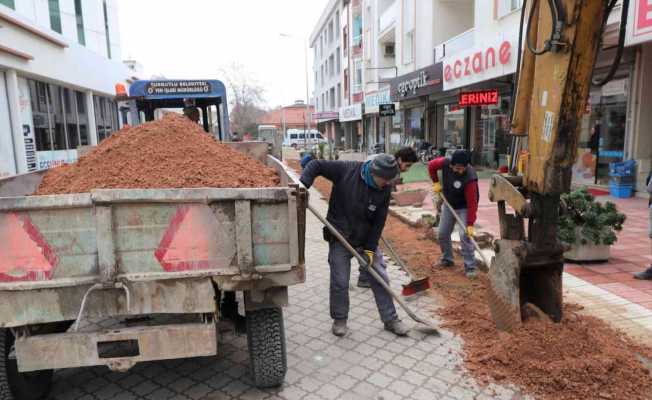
[[326, 115], [387, 110], [479, 98], [54, 158], [351, 113], [481, 63], [177, 87], [614, 88], [375, 99], [639, 22], [422, 82]]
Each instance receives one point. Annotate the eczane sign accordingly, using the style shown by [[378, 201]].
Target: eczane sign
[[480, 63], [639, 22]]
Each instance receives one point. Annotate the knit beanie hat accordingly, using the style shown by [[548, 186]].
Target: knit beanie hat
[[460, 157], [384, 166]]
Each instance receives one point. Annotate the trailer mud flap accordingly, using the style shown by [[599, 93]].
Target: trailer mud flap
[[118, 349]]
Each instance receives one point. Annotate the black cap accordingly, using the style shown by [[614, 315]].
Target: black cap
[[460, 157], [384, 166]]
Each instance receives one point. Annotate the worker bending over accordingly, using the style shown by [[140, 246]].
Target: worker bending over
[[460, 187], [405, 157], [358, 208]]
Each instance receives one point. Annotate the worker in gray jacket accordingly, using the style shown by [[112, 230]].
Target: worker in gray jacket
[[358, 208]]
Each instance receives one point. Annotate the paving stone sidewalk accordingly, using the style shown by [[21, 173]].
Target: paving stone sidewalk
[[369, 363]]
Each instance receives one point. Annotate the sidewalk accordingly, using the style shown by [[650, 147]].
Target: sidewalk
[[607, 290]]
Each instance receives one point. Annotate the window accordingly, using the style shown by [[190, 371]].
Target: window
[[8, 3], [106, 117], [337, 24], [331, 35], [55, 15], [338, 60], [316, 79], [106, 30], [293, 136], [357, 81], [332, 94], [357, 31], [331, 65], [408, 31], [345, 36], [508, 6], [322, 74], [339, 95], [346, 83], [81, 38]]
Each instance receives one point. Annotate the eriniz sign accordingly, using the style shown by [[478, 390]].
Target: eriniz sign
[[479, 98], [479, 64]]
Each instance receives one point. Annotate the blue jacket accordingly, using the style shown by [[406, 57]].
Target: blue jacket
[[305, 160]]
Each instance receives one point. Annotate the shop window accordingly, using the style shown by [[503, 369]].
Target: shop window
[[106, 117], [454, 126], [8, 3], [55, 15]]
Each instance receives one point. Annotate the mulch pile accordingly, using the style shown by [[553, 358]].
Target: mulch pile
[[172, 152], [580, 358]]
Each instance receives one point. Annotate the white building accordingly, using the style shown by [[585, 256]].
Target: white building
[[59, 63], [328, 44]]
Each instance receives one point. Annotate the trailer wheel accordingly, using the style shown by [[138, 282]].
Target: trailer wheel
[[267, 352], [15, 385]]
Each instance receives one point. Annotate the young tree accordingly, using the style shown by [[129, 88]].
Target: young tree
[[245, 98]]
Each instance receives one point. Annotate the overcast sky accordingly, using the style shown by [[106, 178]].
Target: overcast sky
[[194, 38]]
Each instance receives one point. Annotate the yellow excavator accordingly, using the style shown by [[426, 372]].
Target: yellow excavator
[[560, 42]]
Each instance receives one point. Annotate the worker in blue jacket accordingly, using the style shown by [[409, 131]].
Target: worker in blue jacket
[[358, 208]]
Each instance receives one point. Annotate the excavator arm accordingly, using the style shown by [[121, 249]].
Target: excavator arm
[[562, 40]]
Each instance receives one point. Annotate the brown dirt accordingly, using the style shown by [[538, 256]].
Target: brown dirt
[[169, 153], [580, 358]]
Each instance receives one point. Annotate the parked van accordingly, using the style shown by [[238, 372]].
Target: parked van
[[297, 138]]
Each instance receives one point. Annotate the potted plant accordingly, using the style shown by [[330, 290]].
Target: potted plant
[[588, 226]]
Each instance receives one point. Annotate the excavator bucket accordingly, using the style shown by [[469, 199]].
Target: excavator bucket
[[503, 294]]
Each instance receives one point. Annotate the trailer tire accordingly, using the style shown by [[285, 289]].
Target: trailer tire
[[267, 351], [20, 386]]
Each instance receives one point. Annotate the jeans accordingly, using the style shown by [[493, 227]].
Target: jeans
[[447, 223], [339, 260]]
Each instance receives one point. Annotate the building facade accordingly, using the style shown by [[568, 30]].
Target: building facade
[[59, 63], [447, 67], [328, 43], [290, 117]]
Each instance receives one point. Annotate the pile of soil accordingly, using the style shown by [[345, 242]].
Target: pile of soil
[[172, 152], [580, 358]]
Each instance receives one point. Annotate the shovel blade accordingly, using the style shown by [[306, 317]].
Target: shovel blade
[[504, 291]]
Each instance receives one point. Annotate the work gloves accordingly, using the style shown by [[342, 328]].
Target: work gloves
[[470, 232], [368, 255], [436, 187]]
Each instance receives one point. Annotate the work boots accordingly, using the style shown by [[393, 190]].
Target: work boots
[[339, 327], [397, 327]]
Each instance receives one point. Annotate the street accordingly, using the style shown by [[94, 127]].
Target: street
[[369, 363]]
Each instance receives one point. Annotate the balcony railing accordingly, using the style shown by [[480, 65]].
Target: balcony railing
[[454, 45]]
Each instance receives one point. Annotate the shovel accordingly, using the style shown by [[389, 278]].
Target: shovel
[[414, 286], [432, 328], [463, 224]]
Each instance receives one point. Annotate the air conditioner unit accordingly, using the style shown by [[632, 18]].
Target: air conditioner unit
[[389, 50]]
